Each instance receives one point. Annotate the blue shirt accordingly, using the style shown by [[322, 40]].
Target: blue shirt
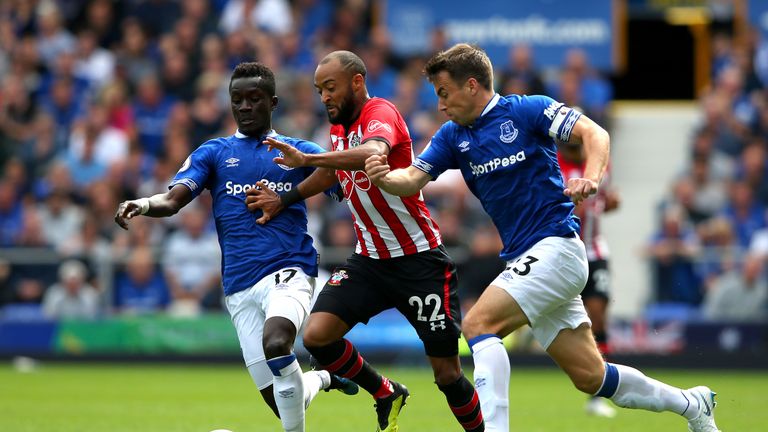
[[149, 296], [228, 167], [508, 158]]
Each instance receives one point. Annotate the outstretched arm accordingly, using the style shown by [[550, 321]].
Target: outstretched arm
[[270, 203], [350, 159], [160, 205], [596, 144], [401, 182]]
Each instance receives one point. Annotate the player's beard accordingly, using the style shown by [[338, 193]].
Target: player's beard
[[345, 111]]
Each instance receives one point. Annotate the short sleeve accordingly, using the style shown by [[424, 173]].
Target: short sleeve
[[308, 147], [438, 156], [381, 122], [195, 170], [549, 117]]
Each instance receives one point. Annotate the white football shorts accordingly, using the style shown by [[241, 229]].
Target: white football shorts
[[546, 281], [286, 293]]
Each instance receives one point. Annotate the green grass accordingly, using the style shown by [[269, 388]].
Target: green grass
[[183, 398]]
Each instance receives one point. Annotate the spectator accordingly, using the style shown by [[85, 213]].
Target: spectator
[[93, 63], [192, 262], [60, 219], [672, 251], [133, 59], [740, 295], [141, 288], [151, 113], [64, 108], [273, 16], [110, 145], [752, 169], [199, 11], [101, 18], [521, 70], [71, 297], [53, 37], [744, 213], [17, 115]]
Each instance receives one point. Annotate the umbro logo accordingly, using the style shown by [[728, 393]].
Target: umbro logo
[[464, 146], [232, 162]]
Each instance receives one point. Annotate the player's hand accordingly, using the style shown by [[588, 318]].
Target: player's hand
[[377, 168], [292, 156], [579, 189], [265, 199], [127, 210]]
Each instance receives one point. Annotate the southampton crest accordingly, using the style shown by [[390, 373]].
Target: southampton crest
[[508, 132], [337, 277]]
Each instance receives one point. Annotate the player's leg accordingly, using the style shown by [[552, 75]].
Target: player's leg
[[495, 315], [577, 354], [286, 306], [350, 296], [248, 318], [426, 293], [459, 392], [595, 297], [549, 274]]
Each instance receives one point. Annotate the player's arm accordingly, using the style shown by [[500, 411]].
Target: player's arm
[[350, 159], [160, 205], [596, 144], [401, 182], [270, 203]]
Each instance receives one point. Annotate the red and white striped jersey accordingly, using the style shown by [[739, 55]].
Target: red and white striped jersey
[[589, 211], [386, 226]]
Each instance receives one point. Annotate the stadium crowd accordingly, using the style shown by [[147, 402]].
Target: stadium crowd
[[708, 255], [102, 101]]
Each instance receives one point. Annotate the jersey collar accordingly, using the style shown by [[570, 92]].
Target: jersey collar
[[488, 107], [240, 135], [491, 103]]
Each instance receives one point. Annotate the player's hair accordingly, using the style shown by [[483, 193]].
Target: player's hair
[[462, 62], [256, 70], [350, 62]]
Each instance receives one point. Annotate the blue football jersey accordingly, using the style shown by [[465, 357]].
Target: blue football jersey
[[508, 158], [228, 167]]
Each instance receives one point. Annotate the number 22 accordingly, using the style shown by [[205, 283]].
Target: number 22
[[432, 298]]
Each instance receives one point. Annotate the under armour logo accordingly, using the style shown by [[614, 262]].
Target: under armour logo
[[479, 382], [286, 393], [437, 325]]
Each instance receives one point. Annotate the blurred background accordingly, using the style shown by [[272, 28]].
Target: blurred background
[[101, 101]]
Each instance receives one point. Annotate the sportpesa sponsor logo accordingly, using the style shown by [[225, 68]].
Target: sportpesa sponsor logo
[[237, 188], [494, 163]]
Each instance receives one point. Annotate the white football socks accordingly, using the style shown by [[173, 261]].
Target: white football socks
[[314, 381], [492, 373], [629, 388], [288, 388]]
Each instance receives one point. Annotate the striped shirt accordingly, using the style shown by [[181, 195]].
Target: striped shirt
[[589, 211], [386, 226]]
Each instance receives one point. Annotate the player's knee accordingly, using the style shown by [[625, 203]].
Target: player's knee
[[277, 345], [473, 326], [446, 375], [314, 338], [587, 381]]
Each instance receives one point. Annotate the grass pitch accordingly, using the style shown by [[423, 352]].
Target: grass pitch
[[190, 398]]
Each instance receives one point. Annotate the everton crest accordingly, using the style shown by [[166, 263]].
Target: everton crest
[[508, 132]]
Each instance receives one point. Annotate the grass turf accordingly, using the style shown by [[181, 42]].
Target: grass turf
[[191, 398]]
